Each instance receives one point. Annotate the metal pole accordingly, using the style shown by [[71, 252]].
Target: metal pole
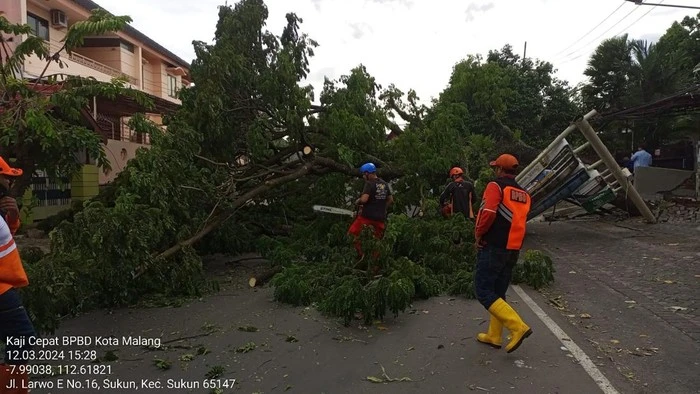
[[594, 165], [609, 160], [556, 141], [582, 147], [639, 2]]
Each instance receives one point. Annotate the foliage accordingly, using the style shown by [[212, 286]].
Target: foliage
[[228, 177], [536, 269], [72, 280], [41, 121], [416, 258], [51, 222], [31, 254], [625, 72], [507, 98]]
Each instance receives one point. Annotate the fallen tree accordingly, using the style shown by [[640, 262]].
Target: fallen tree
[[248, 151]]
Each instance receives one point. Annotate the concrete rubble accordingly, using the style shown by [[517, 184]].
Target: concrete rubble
[[677, 211]]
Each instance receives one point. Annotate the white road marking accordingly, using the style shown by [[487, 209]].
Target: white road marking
[[576, 351]]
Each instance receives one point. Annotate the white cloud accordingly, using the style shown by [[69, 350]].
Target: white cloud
[[473, 9], [415, 43]]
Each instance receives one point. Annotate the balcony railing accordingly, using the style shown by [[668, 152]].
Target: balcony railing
[[95, 65]]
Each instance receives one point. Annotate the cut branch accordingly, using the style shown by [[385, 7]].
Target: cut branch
[[264, 277], [224, 215]]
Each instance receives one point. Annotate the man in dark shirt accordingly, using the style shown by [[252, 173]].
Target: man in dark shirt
[[375, 200], [459, 193]]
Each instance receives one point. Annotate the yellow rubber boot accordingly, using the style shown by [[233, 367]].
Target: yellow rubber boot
[[512, 321], [494, 335]]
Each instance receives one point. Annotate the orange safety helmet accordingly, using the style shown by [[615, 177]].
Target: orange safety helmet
[[506, 162], [456, 171], [6, 170]]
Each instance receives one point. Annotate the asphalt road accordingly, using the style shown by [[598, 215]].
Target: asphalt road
[[296, 350], [619, 299], [637, 287]]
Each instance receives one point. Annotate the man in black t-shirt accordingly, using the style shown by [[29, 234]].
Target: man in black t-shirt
[[459, 193], [375, 200]]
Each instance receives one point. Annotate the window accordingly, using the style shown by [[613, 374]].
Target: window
[[127, 45], [172, 86], [40, 26]]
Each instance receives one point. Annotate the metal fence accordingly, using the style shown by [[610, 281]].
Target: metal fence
[[51, 192]]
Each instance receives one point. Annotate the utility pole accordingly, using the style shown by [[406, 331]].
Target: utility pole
[[639, 2], [525, 51], [614, 168]]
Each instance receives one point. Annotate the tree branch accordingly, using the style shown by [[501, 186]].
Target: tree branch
[[315, 109], [193, 188], [403, 114], [211, 161], [218, 219], [393, 127], [385, 173]]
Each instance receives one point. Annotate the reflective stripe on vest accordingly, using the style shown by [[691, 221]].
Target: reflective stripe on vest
[[11, 271], [514, 207]]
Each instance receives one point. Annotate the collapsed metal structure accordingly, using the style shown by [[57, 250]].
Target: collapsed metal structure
[[559, 174]]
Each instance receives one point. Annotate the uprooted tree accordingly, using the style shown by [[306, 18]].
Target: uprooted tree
[[249, 151]]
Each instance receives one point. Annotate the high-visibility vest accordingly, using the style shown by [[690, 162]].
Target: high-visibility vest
[[508, 229], [11, 270]]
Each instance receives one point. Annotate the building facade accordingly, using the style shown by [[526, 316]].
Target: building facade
[[145, 64]]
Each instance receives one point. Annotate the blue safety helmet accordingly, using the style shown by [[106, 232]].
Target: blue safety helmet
[[368, 167]]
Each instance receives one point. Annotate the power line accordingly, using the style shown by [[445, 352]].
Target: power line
[[601, 35], [622, 31], [638, 19], [591, 31]]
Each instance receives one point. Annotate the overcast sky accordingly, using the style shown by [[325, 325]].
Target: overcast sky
[[415, 43]]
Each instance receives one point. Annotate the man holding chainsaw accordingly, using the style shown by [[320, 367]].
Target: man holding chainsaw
[[373, 204], [460, 194]]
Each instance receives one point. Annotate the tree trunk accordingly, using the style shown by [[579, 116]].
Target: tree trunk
[[264, 277]]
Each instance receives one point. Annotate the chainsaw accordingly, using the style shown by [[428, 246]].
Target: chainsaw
[[333, 210]]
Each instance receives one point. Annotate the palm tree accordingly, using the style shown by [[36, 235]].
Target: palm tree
[[655, 75]]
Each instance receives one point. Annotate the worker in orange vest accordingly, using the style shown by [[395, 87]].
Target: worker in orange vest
[[15, 326], [459, 193], [499, 232]]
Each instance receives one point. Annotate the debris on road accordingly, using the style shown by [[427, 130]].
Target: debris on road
[[386, 379], [556, 301], [248, 347]]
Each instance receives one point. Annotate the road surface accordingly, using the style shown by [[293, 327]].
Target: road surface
[[614, 322]]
